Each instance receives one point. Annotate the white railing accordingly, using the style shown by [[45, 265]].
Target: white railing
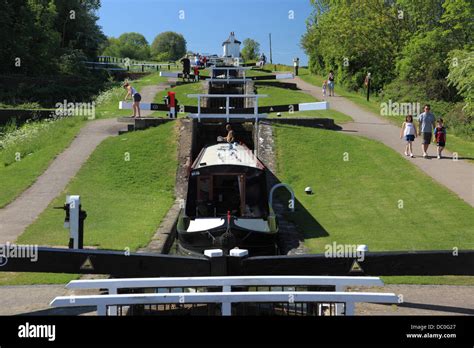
[[228, 78], [227, 114], [226, 297]]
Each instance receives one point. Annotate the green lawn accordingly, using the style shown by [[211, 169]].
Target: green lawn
[[357, 201], [125, 200], [29, 150], [182, 92], [463, 147], [282, 96]]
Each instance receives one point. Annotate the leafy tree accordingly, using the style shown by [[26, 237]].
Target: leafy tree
[[251, 49], [168, 46], [76, 22], [128, 45], [40, 32], [461, 75]]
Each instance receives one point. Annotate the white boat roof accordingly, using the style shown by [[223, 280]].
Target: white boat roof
[[227, 154]]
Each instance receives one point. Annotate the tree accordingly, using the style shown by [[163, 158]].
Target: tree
[[76, 22], [251, 50], [461, 75], [168, 46], [36, 34], [128, 45]]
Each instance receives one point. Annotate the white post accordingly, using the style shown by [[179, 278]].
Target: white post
[[226, 308], [74, 202], [339, 288], [113, 309]]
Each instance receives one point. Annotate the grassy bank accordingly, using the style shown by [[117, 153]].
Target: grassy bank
[[282, 96], [375, 197], [454, 143], [125, 200], [27, 151]]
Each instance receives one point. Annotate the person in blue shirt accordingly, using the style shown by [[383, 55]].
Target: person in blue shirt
[[426, 122]]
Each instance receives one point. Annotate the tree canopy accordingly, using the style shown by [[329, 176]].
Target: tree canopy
[[168, 46], [128, 45], [251, 49], [397, 41], [35, 35]]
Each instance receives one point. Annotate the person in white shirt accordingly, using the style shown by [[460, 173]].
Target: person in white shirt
[[408, 132]]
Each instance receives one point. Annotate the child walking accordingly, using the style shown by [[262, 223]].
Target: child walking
[[440, 137], [325, 86], [408, 131]]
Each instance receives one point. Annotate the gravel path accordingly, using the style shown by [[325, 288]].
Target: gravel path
[[422, 300], [458, 176]]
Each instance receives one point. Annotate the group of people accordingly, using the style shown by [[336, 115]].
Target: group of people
[[427, 129], [199, 62]]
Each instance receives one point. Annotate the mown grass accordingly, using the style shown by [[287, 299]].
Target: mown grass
[[282, 96], [375, 197], [182, 92], [27, 151], [125, 200], [29, 278], [463, 147]]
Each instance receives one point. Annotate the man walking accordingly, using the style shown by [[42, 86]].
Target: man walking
[[426, 124], [296, 65]]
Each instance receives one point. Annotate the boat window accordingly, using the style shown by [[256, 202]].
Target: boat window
[[227, 194]]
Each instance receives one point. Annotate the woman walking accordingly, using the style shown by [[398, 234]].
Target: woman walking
[[331, 83]]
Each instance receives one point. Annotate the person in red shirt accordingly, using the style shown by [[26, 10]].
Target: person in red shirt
[[440, 137], [196, 73]]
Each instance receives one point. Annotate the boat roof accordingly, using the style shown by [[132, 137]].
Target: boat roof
[[225, 154]]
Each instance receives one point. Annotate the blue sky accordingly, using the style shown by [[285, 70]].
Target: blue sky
[[208, 23]]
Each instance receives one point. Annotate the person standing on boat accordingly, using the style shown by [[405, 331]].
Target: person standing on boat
[[133, 93]]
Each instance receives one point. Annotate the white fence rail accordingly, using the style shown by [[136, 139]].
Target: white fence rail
[[227, 297]]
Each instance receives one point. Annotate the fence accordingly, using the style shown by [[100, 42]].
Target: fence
[[228, 295]]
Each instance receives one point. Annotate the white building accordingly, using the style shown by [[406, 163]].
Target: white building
[[231, 46]]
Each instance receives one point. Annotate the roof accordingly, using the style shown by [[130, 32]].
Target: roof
[[228, 41], [227, 154]]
